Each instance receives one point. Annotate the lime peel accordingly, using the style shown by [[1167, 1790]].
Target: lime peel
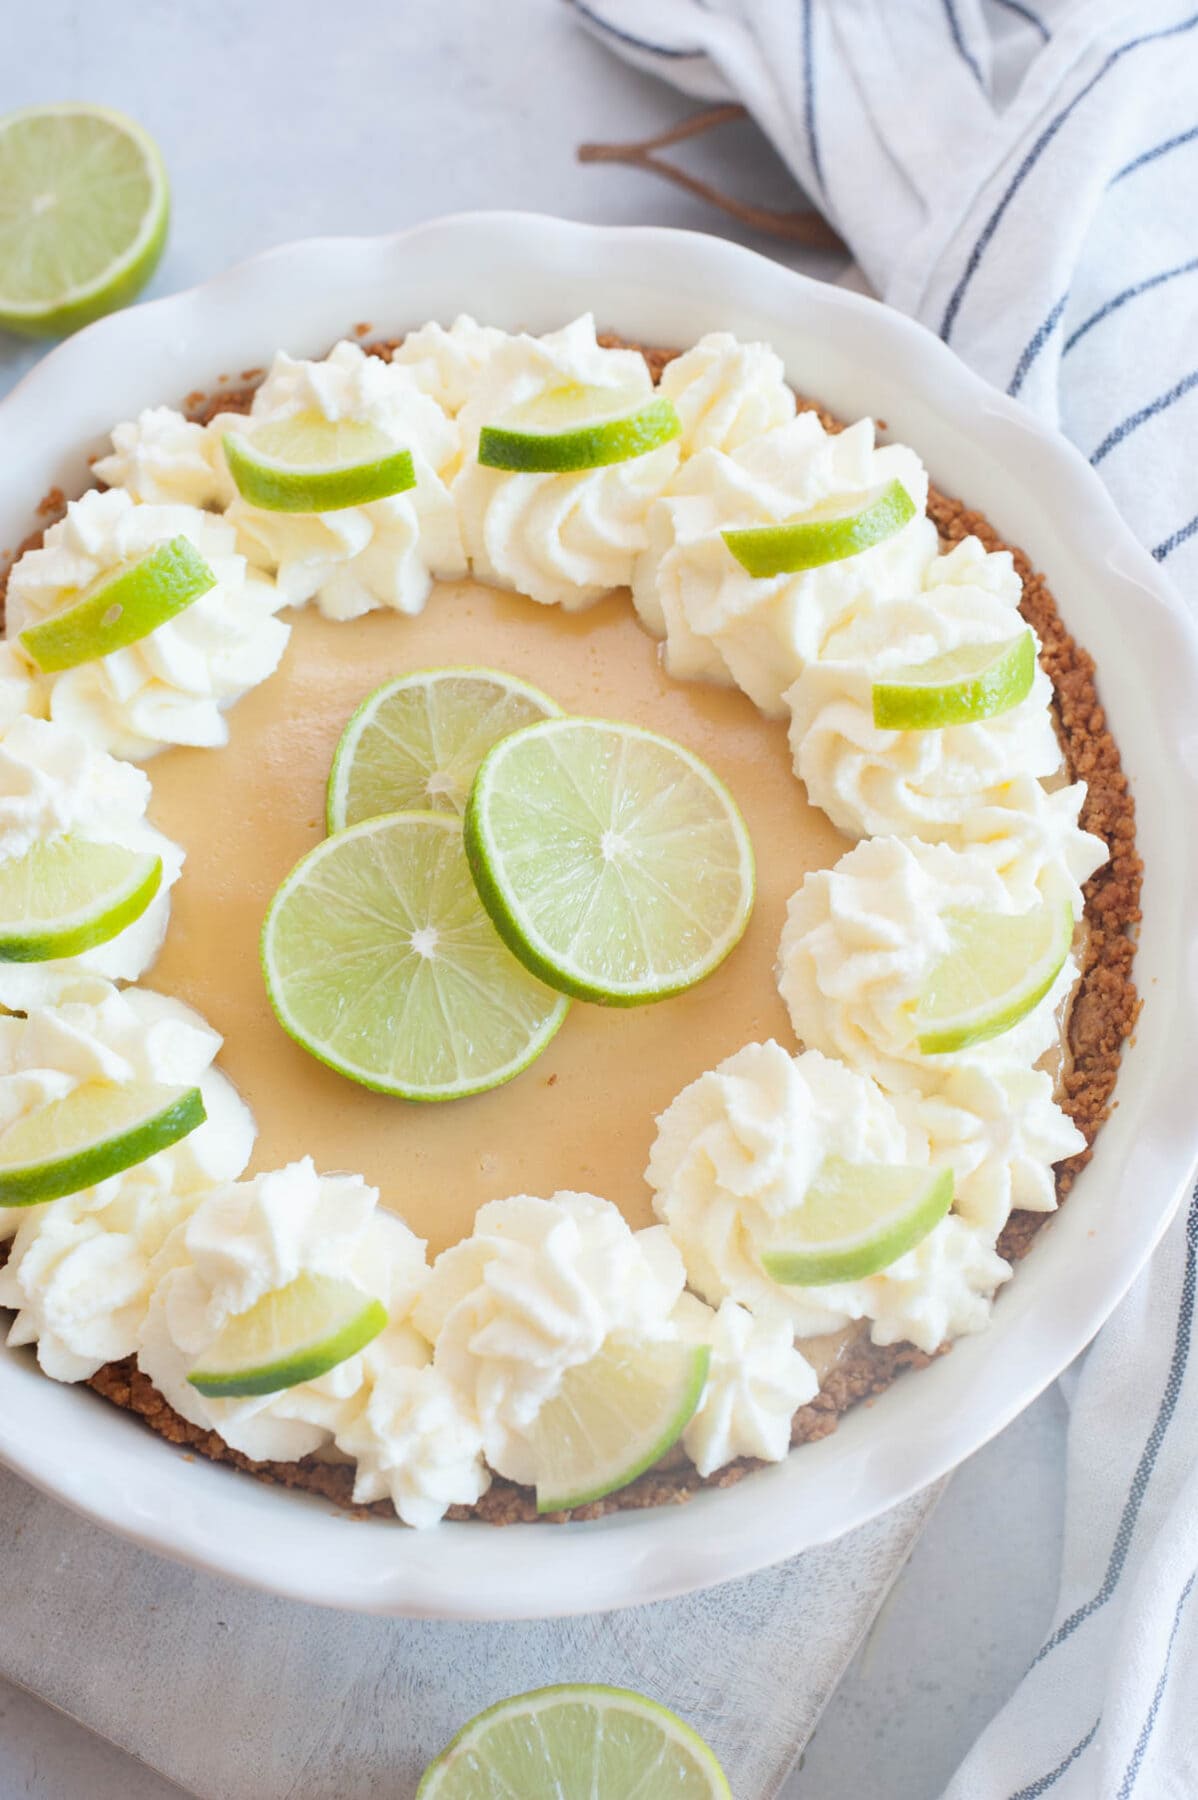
[[99, 1129], [1000, 966], [295, 1334], [856, 1219], [524, 445], [960, 687], [807, 543], [120, 607], [66, 895], [310, 464]]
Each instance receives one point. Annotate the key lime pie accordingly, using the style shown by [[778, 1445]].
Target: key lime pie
[[563, 918]]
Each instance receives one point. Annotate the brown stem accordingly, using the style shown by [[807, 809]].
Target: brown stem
[[796, 227]]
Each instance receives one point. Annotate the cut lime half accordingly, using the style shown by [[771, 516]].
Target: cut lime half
[[310, 464], [99, 1129], [83, 215], [975, 682], [614, 1417], [856, 1218], [66, 895], [1000, 966], [417, 742], [822, 536], [298, 1333], [576, 1743], [381, 962], [614, 863], [120, 607], [575, 427]]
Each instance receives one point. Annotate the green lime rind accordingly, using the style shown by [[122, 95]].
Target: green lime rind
[[120, 608], [1000, 967], [962, 686], [788, 549], [97, 246], [594, 446], [622, 1410], [275, 484], [575, 1741], [534, 843], [97, 1130], [856, 1219], [66, 895], [342, 972], [416, 742], [352, 1319]]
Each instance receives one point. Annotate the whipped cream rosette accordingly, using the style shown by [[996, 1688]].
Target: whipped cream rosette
[[253, 1238], [721, 623], [756, 1382], [567, 539], [1026, 831], [447, 364], [163, 459], [78, 1269], [383, 553], [172, 686], [54, 784], [414, 1440], [24, 693], [535, 1290], [726, 393], [861, 941]]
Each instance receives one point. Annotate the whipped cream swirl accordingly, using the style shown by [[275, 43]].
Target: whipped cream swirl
[[162, 459], [536, 1289], [414, 1440], [756, 1382], [172, 686], [448, 365], [726, 393]]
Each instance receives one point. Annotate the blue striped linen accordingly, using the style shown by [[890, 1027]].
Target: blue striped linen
[[1022, 176]]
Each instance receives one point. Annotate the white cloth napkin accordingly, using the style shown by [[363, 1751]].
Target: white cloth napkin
[[1022, 176]]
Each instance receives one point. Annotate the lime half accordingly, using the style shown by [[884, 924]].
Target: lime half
[[614, 863], [975, 682], [1000, 966], [97, 1130], [120, 607], [576, 1743], [310, 464], [821, 537], [417, 742], [381, 962], [83, 215], [575, 427], [613, 1418], [296, 1334], [856, 1218], [65, 896]]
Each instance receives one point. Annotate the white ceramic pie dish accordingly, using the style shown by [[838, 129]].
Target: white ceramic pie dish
[[669, 287]]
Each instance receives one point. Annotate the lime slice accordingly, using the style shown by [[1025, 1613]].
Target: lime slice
[[615, 865], [856, 1218], [614, 1417], [579, 1742], [66, 895], [976, 682], [380, 961], [120, 607], [83, 215], [821, 537], [93, 1132], [296, 1334], [310, 464], [418, 741], [576, 427], [1000, 966]]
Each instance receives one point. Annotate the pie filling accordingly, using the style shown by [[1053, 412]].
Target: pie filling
[[634, 1186]]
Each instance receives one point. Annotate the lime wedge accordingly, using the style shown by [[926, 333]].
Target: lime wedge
[[976, 682], [576, 1743], [310, 464], [613, 1418], [615, 865], [83, 215], [766, 550], [575, 427], [380, 961], [1000, 966], [120, 607], [856, 1218], [296, 1334], [66, 895], [418, 741], [93, 1132]]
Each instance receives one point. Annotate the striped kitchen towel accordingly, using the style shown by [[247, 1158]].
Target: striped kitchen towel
[[1022, 176]]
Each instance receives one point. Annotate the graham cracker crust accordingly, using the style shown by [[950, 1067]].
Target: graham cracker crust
[[1101, 1019]]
